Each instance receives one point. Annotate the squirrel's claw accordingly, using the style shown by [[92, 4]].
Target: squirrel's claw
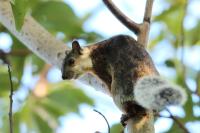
[[124, 118]]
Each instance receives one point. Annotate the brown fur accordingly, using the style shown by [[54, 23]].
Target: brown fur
[[121, 57], [119, 62]]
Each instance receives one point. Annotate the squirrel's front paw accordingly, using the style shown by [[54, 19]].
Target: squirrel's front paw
[[124, 118]]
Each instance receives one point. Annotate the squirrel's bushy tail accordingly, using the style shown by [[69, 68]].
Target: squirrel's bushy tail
[[153, 92]]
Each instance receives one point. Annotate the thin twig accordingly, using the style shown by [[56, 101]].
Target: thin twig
[[3, 57], [130, 24], [11, 100], [178, 122], [104, 119]]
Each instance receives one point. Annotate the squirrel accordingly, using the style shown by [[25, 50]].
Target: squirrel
[[127, 70]]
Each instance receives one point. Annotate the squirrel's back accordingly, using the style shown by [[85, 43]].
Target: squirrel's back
[[127, 69], [133, 67], [123, 53]]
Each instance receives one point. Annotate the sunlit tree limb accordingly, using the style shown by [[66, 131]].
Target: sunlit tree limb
[[41, 42]]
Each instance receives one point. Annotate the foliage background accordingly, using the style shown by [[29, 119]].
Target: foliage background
[[44, 103]]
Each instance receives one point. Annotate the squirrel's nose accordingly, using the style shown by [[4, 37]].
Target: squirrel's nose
[[67, 75], [64, 76]]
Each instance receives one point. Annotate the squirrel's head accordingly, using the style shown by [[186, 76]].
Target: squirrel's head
[[76, 62]]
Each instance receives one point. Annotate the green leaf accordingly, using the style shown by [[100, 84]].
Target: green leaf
[[170, 63], [17, 66], [5, 80], [57, 16], [166, 13], [2, 28], [26, 113], [67, 97], [37, 62], [179, 2], [5, 127], [53, 109], [188, 110], [158, 39], [172, 17], [91, 37], [17, 60], [192, 35], [42, 125], [116, 128], [5, 84], [16, 121], [19, 11]]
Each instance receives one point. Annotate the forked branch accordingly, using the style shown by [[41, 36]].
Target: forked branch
[[141, 30], [130, 24]]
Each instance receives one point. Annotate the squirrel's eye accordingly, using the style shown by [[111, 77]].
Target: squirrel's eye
[[71, 62]]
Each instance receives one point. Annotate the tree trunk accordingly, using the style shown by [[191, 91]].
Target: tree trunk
[[141, 125]]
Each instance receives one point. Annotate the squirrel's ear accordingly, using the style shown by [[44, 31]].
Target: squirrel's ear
[[76, 46]]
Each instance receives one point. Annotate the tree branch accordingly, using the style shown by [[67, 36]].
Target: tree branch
[[142, 30], [34, 36], [145, 28], [104, 119], [11, 100], [41, 42], [178, 122], [148, 11], [3, 57], [130, 24], [143, 124]]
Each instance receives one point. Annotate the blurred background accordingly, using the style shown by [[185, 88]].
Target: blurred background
[[43, 103]]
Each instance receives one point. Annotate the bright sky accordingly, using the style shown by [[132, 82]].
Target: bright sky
[[89, 121]]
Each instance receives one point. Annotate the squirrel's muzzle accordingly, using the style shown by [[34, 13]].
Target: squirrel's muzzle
[[67, 75]]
